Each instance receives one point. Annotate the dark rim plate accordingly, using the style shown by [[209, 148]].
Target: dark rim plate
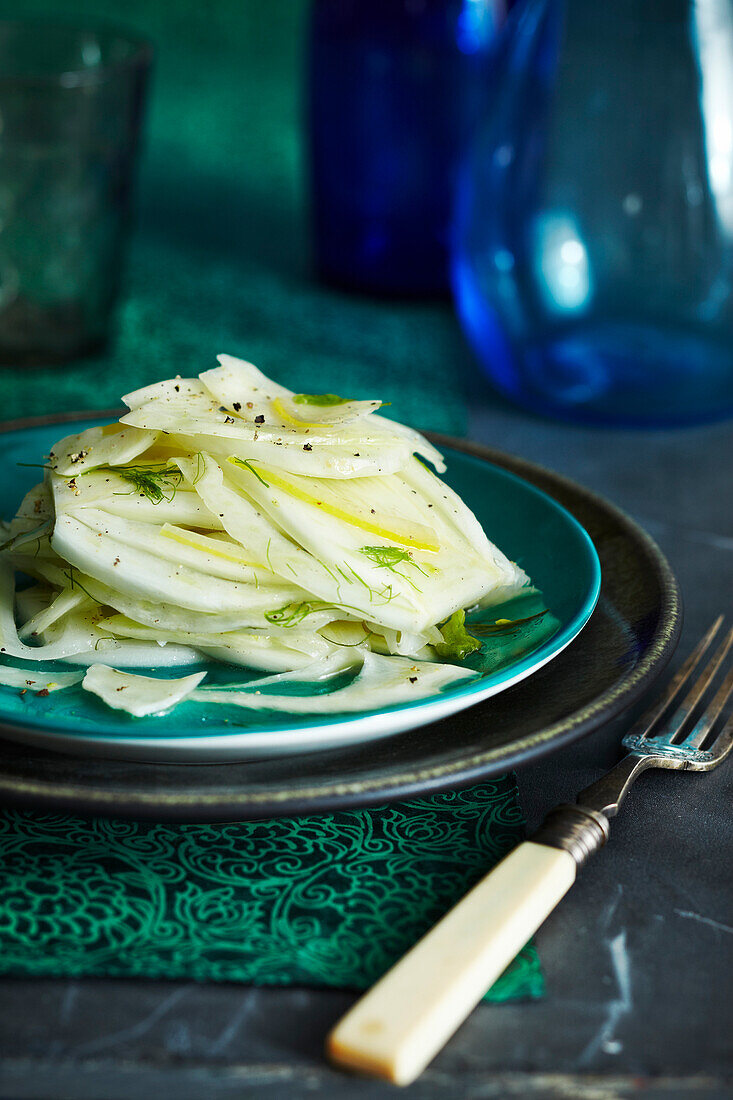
[[626, 644]]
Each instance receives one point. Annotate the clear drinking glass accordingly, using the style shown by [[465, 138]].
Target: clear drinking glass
[[594, 262], [71, 100]]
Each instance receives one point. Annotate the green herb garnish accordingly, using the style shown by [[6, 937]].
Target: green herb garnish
[[457, 643], [75, 583], [323, 400], [506, 626], [293, 613], [247, 465], [389, 557], [157, 483], [386, 557]]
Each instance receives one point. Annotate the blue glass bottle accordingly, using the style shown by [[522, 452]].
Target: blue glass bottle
[[394, 88], [593, 267]]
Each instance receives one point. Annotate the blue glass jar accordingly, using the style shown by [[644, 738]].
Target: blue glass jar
[[394, 88], [593, 268]]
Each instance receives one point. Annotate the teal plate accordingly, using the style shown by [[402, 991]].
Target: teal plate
[[528, 525]]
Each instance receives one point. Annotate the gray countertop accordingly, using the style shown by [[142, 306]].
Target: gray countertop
[[638, 958]]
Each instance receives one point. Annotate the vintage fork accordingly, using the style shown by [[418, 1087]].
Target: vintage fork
[[396, 1028]]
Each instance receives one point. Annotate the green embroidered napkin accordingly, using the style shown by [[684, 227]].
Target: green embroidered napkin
[[332, 900]]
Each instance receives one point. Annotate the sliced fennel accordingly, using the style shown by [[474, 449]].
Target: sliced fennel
[[332, 451], [138, 695], [80, 638], [382, 681], [309, 410], [111, 445], [353, 505], [227, 518], [45, 682], [271, 651]]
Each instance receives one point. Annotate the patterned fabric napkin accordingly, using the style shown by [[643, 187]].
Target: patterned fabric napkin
[[331, 900]]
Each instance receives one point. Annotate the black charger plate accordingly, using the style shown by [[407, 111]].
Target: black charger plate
[[630, 638]]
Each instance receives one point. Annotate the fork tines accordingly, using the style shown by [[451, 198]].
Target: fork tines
[[687, 728]]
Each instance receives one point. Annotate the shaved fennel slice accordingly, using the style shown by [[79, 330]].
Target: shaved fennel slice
[[321, 669], [31, 601], [419, 445], [128, 653], [138, 695], [38, 681], [234, 382], [274, 656], [32, 520], [108, 445], [237, 374], [79, 638], [167, 616], [106, 489], [66, 601], [285, 557], [26, 539], [377, 506], [143, 574], [452, 509], [235, 377], [148, 537], [341, 451], [246, 525], [258, 648], [86, 621], [35, 507], [402, 587], [405, 643], [386, 681], [313, 410], [169, 389]]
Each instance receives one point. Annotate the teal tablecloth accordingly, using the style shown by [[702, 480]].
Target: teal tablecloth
[[219, 258], [219, 262]]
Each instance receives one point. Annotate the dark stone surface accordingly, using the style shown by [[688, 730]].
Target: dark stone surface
[[638, 958]]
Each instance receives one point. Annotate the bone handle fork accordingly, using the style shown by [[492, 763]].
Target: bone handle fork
[[396, 1028]]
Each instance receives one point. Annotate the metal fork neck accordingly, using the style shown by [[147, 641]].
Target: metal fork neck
[[583, 828], [608, 793]]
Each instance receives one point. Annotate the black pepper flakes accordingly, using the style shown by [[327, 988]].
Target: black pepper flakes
[[228, 419], [260, 419], [307, 447], [413, 679], [236, 406], [177, 389], [43, 691]]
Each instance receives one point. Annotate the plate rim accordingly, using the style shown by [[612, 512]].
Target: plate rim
[[203, 806]]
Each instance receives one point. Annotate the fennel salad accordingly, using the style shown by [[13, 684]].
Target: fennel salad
[[228, 519]]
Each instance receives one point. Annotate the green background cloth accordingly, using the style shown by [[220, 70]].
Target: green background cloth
[[219, 262], [219, 258]]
